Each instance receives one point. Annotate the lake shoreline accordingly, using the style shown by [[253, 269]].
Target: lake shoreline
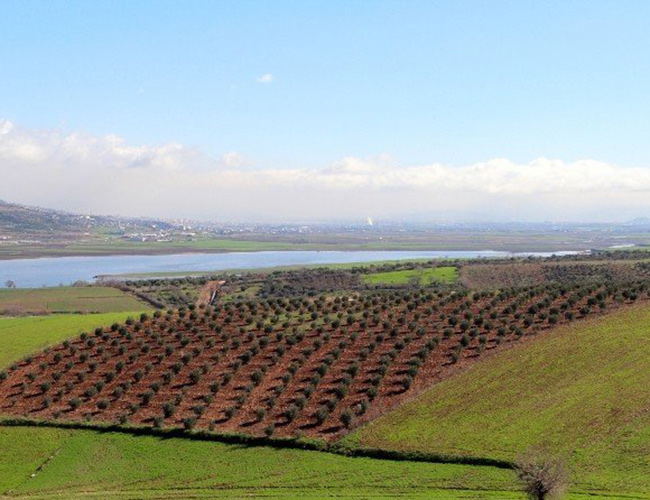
[[8, 253], [53, 271]]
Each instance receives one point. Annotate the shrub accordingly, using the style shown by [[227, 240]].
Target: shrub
[[340, 391], [406, 382], [363, 407], [542, 475], [257, 377], [90, 391], [321, 415], [346, 418], [195, 376], [300, 401], [147, 396], [189, 423], [290, 413], [169, 409]]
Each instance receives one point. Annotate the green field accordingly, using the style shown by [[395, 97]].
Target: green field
[[447, 275], [580, 390], [67, 299], [21, 336], [89, 464]]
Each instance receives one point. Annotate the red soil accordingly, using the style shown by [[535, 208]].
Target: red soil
[[228, 343]]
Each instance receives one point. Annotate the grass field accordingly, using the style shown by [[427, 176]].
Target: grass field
[[89, 464], [76, 464], [21, 336], [66, 300], [580, 390], [447, 275]]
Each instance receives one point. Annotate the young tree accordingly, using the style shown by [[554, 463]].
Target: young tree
[[543, 476]]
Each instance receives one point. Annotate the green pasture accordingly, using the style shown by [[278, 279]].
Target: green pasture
[[21, 336], [89, 464], [580, 391], [91, 299], [425, 276]]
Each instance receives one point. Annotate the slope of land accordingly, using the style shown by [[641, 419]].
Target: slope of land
[[23, 222], [87, 464], [21, 336], [581, 390], [494, 276], [83, 300], [312, 366]]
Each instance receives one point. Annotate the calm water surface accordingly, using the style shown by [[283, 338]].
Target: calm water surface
[[53, 271]]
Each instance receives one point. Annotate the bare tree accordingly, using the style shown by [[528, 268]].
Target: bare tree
[[543, 476]]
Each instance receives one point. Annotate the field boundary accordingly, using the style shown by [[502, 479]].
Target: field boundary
[[280, 443]]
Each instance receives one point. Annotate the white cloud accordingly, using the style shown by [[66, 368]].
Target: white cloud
[[233, 159], [266, 78], [106, 175], [5, 127]]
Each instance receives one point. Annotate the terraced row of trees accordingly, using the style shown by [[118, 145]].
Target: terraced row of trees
[[280, 366]]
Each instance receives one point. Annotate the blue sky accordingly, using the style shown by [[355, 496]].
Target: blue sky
[[455, 82], [420, 82]]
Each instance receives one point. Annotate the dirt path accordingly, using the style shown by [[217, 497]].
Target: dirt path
[[209, 292]]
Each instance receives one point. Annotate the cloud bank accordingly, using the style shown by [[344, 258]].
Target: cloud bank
[[106, 175]]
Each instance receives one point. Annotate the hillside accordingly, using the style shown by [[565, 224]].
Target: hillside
[[26, 222], [280, 367], [581, 390], [22, 336], [91, 465], [78, 299]]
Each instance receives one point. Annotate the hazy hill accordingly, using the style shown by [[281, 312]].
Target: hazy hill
[[25, 220]]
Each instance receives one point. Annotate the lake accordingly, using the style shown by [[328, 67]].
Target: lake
[[53, 271]]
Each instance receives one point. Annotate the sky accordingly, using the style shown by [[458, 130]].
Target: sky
[[327, 110]]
